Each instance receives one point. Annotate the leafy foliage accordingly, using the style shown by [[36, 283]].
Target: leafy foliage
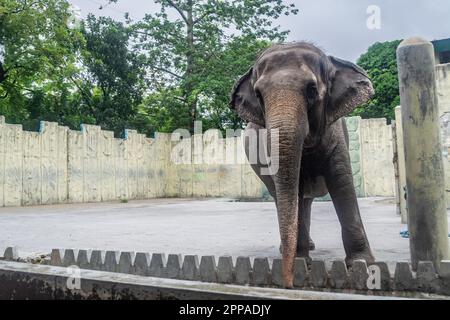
[[200, 53], [380, 63], [164, 72], [38, 59], [157, 74], [114, 83]]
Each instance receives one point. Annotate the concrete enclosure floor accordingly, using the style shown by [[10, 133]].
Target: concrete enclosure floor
[[203, 227]]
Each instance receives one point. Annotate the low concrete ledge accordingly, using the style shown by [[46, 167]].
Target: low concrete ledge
[[373, 279], [32, 281]]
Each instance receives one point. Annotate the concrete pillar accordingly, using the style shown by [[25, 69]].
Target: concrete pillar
[[427, 215]]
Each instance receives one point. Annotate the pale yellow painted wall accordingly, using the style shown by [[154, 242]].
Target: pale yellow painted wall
[[377, 156], [443, 87], [58, 165]]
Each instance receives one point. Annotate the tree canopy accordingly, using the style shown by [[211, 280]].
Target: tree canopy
[[161, 73], [39, 56], [113, 85], [380, 62], [195, 56]]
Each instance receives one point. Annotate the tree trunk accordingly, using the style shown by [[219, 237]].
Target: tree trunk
[[3, 73], [191, 101]]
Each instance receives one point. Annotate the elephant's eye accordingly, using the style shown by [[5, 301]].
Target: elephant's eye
[[311, 93]]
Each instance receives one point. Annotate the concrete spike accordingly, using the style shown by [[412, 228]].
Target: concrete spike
[[69, 258], [97, 259], [339, 278], [243, 270], [83, 259], [300, 273], [277, 272], [427, 278], [261, 272], [225, 269], [403, 277], [142, 264], [11, 253], [385, 275], [208, 269], [111, 258], [126, 262], [173, 268], [319, 275], [359, 275], [55, 257], [189, 270], [157, 265]]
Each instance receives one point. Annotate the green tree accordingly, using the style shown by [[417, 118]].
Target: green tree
[[191, 54], [114, 82], [39, 55], [215, 87], [381, 64]]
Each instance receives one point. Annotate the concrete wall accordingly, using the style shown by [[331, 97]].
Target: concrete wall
[[443, 91], [58, 165], [377, 156], [443, 87], [445, 140], [353, 127], [210, 166]]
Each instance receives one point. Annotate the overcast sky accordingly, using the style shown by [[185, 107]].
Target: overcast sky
[[337, 26]]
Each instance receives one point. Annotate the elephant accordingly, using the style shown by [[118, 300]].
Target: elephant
[[302, 94]]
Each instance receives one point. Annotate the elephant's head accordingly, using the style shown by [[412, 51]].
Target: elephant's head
[[298, 90]]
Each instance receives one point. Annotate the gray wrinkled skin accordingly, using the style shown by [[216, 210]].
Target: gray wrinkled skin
[[298, 90]]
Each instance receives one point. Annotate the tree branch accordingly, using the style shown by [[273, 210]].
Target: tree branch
[[85, 96], [25, 7], [180, 99], [204, 15], [167, 71], [3, 73], [174, 5]]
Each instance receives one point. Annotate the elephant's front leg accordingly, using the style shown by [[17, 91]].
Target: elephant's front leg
[[304, 242], [339, 180]]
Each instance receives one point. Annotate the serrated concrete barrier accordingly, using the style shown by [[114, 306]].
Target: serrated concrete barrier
[[24, 281], [361, 277]]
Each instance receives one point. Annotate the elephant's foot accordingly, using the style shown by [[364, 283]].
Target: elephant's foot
[[364, 255]]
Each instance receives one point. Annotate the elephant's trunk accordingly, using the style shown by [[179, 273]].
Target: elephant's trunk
[[286, 113]]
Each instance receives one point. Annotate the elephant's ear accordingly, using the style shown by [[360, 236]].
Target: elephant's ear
[[244, 101], [350, 87]]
